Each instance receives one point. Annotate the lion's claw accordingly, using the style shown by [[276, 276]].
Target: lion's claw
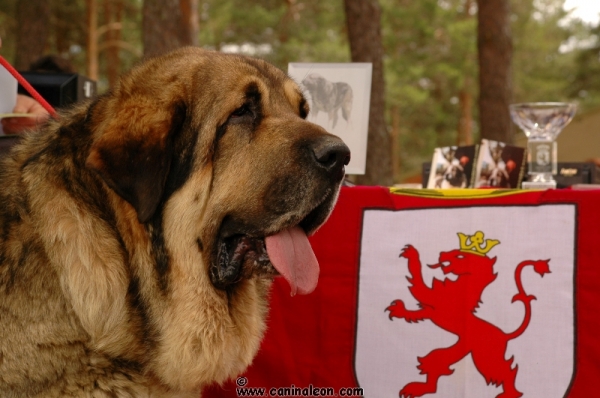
[[408, 252], [396, 309], [416, 389]]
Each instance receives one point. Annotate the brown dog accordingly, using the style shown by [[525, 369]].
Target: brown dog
[[139, 232]]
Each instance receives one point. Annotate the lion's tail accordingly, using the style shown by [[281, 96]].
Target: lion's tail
[[541, 267]]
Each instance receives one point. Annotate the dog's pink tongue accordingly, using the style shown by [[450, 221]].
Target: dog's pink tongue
[[292, 256]]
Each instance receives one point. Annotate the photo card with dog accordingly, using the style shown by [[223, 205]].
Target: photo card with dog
[[499, 165], [339, 95], [452, 167]]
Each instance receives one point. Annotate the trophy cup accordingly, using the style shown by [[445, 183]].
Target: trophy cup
[[542, 122]]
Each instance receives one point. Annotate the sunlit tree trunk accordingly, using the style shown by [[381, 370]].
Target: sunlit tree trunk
[[363, 18], [92, 39], [33, 18], [465, 96], [494, 43], [113, 17]]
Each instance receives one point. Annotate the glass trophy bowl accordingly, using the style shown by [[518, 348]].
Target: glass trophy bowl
[[542, 122]]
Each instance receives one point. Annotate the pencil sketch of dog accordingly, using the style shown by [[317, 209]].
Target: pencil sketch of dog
[[329, 97], [140, 232]]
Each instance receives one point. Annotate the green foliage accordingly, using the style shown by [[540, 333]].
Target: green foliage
[[130, 35], [430, 49], [68, 32], [7, 25], [540, 71], [307, 31], [586, 82], [430, 52]]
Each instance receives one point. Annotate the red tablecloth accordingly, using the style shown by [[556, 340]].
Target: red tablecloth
[[340, 336]]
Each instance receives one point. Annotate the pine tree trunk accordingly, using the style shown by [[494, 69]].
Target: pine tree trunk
[[62, 29], [465, 128], [33, 24], [189, 14], [363, 18], [465, 97], [164, 27], [494, 44], [395, 138], [291, 11], [113, 17]]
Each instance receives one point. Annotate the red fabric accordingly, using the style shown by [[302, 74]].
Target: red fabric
[[310, 339]]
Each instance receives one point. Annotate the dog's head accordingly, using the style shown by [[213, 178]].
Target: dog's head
[[237, 123], [454, 174], [313, 81], [227, 178], [319, 88]]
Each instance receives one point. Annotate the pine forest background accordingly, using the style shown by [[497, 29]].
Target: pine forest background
[[430, 92]]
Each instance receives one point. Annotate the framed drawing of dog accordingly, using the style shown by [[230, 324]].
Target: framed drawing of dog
[[339, 95]]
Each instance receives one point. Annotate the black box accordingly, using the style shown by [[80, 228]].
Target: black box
[[60, 89], [570, 173]]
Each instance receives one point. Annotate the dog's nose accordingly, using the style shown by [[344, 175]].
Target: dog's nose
[[332, 155]]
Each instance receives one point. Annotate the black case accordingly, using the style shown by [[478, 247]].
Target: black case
[[60, 89], [570, 173]]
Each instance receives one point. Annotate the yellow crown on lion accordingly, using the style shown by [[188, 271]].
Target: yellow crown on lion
[[476, 244]]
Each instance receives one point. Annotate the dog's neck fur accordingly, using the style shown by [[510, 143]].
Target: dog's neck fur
[[102, 308]]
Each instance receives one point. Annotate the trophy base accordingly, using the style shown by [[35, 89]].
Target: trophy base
[[538, 185]]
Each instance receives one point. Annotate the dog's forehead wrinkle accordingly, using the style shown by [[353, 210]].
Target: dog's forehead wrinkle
[[292, 91], [254, 91], [266, 71], [274, 83]]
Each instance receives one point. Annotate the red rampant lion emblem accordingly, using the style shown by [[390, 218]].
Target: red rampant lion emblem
[[451, 305]]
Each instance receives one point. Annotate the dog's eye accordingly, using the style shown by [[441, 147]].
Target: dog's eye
[[242, 111]]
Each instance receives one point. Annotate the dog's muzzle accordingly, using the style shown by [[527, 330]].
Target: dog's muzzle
[[245, 247]]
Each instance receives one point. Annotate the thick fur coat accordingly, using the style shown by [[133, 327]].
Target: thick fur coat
[[133, 228]]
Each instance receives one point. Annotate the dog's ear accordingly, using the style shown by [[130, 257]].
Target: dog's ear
[[133, 151]]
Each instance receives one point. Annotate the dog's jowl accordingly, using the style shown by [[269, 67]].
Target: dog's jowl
[[140, 232]]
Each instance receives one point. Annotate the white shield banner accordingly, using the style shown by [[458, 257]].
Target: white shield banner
[[387, 351]]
